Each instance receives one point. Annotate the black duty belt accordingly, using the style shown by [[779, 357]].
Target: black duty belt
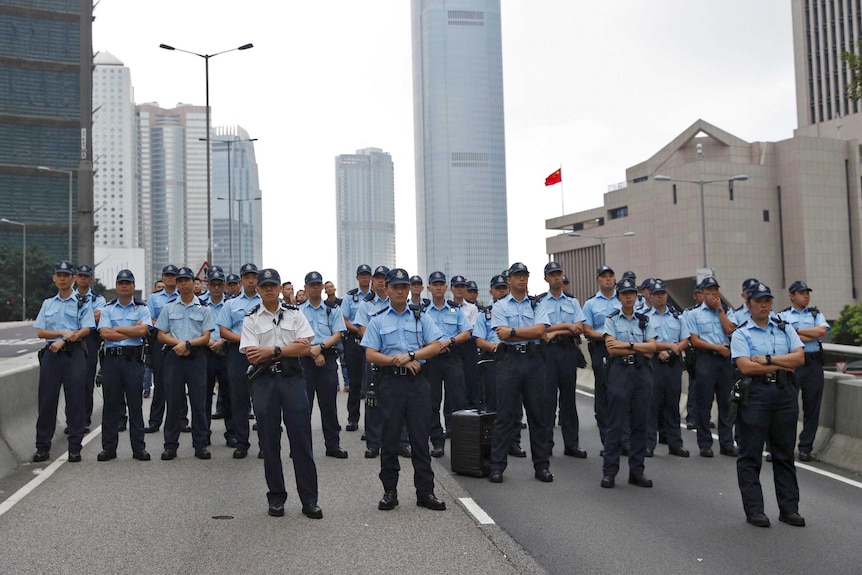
[[518, 348], [127, 351], [565, 340], [709, 352], [779, 378], [285, 367], [633, 359], [398, 371]]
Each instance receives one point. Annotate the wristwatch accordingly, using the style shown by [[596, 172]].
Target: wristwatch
[[322, 346], [188, 344], [412, 355], [452, 340], [768, 360], [276, 352], [512, 333], [631, 345]]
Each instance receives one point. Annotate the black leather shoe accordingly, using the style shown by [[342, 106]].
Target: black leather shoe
[[151, 429], [679, 451], [231, 442], [122, 427], [758, 520], [662, 438], [649, 452], [276, 510], [769, 457], [86, 430], [371, 453], [624, 451], [312, 511], [240, 453], [203, 453], [254, 426], [41, 456], [447, 434], [218, 415], [364, 436], [729, 451], [74, 457], [575, 452], [523, 425], [805, 456], [352, 426], [706, 452], [438, 451], [794, 519], [260, 454], [405, 451], [169, 454], [187, 429], [106, 455], [712, 425], [496, 477], [690, 426], [141, 455], [337, 453], [608, 482], [389, 501], [430, 501], [516, 451], [146, 393], [544, 475], [640, 480]]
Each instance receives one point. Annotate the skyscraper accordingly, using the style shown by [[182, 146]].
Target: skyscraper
[[365, 208], [459, 138]]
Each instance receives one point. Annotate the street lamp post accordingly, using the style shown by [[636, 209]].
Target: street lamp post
[[69, 172], [206, 58], [24, 265], [601, 240], [701, 182]]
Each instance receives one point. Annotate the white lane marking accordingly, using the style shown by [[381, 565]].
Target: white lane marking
[[46, 473], [800, 465], [477, 512]]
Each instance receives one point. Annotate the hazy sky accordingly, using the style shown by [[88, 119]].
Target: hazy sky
[[594, 86]]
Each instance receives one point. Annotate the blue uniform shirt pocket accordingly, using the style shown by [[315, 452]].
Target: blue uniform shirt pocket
[[389, 337]]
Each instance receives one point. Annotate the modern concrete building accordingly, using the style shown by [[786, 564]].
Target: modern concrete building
[[171, 175], [365, 213], [460, 152], [237, 204]]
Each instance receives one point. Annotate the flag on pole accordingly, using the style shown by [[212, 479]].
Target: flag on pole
[[554, 178]]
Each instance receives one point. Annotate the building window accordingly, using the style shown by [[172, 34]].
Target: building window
[[674, 194], [617, 213], [765, 215]]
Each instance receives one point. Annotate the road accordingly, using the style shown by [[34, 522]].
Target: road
[[17, 338]]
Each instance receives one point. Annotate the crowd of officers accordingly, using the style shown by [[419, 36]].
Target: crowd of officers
[[414, 359]]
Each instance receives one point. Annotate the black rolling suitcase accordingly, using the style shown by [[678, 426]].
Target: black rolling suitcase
[[470, 442]]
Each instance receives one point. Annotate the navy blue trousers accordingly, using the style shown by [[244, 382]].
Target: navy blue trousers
[[354, 358], [181, 373], [275, 397], [809, 377], [217, 371], [714, 380], [240, 398], [561, 380], [666, 391], [93, 342], [323, 382], [444, 371], [66, 369], [122, 385], [469, 356], [629, 396]]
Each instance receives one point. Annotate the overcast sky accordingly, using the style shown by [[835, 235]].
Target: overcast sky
[[594, 86]]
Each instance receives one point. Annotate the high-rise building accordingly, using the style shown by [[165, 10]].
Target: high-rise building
[[459, 138], [40, 123], [365, 208], [237, 210], [114, 191], [172, 186]]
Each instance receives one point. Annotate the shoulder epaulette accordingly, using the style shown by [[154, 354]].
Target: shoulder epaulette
[[614, 313], [452, 303], [339, 300], [426, 302], [541, 296], [113, 301], [643, 317], [814, 311], [569, 295], [330, 304], [788, 308], [284, 305], [375, 314], [673, 311], [691, 307], [252, 310], [369, 296], [741, 325], [134, 301], [353, 291]]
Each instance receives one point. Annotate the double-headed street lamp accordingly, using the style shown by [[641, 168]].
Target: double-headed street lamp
[[24, 265], [69, 172], [739, 178], [206, 58], [601, 240]]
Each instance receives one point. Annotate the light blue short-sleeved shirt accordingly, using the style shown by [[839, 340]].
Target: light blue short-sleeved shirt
[[563, 309], [449, 320], [158, 300], [392, 333], [509, 312], [668, 328], [58, 314], [705, 324], [185, 322], [483, 327], [351, 304], [625, 329], [324, 320], [97, 301], [115, 314], [597, 308], [750, 340], [369, 308], [234, 310], [806, 319]]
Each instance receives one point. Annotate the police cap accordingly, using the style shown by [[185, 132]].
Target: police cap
[[232, 279], [759, 291], [552, 267], [472, 286], [125, 276], [169, 270], [85, 270], [458, 281], [604, 269], [518, 268], [498, 280], [248, 269], [268, 276], [397, 276], [436, 277], [313, 278], [799, 285], [363, 269], [185, 272], [626, 285], [64, 267], [381, 271]]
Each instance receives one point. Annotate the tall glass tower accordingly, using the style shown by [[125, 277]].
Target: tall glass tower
[[459, 138]]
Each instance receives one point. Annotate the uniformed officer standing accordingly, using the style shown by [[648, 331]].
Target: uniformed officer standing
[[184, 327], [64, 321], [741, 313], [466, 349], [398, 340], [446, 369], [520, 325], [810, 325], [274, 335], [644, 302], [232, 286], [124, 324], [473, 294], [354, 355], [671, 341], [230, 328], [768, 352], [216, 352], [561, 340], [690, 361], [83, 279], [710, 326], [596, 309], [155, 304], [630, 341], [417, 286], [320, 367]]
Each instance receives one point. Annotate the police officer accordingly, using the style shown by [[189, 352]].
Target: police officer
[[397, 341], [671, 341], [596, 309], [417, 286], [274, 335], [644, 302], [123, 325], [354, 355], [83, 280], [710, 326], [216, 353], [741, 313], [446, 369], [690, 360], [320, 367], [520, 325], [810, 325], [561, 340], [630, 341], [473, 294], [64, 321], [184, 328], [467, 349], [155, 304], [232, 286], [230, 328], [767, 351]]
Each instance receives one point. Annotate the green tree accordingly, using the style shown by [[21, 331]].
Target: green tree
[[40, 268], [848, 328], [854, 62]]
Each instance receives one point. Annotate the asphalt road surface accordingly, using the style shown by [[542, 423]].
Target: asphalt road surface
[[17, 338]]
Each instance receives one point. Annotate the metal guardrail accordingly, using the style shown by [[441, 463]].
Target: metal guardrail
[[839, 356]]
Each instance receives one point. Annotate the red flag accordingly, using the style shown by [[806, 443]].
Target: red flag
[[554, 178]]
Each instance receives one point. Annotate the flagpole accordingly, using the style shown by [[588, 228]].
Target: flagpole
[[562, 196]]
